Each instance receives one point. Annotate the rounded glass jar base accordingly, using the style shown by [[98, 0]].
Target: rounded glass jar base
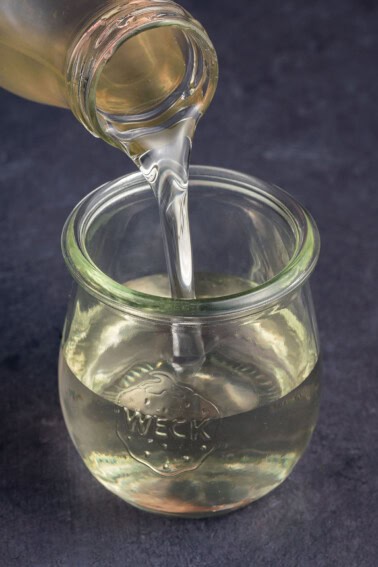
[[191, 408], [204, 512]]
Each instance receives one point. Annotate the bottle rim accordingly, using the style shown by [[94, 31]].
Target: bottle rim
[[106, 32], [257, 299]]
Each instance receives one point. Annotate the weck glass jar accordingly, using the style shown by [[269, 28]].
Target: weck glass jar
[[191, 407]]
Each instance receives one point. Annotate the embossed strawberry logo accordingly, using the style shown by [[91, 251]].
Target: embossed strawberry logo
[[165, 425]]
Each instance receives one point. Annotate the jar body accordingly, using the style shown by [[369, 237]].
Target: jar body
[[189, 415]]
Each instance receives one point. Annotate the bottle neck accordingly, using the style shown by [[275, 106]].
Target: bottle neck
[[128, 25]]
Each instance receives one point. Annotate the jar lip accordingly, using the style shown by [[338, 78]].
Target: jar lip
[[259, 298]]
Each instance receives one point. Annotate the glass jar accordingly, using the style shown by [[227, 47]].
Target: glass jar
[[191, 407]]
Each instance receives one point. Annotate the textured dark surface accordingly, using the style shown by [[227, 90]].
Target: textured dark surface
[[296, 105]]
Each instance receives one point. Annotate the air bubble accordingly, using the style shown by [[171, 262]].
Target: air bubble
[[164, 445], [186, 458], [187, 404], [147, 453], [129, 436], [166, 466], [203, 447], [147, 402], [150, 440]]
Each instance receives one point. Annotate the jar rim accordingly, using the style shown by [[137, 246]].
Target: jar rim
[[256, 299]]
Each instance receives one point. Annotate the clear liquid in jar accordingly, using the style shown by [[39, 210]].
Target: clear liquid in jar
[[199, 443]]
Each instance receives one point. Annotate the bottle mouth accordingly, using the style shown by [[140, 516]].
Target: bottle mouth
[[302, 230], [137, 66]]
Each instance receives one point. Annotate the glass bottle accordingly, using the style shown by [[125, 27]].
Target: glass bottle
[[130, 62], [191, 407]]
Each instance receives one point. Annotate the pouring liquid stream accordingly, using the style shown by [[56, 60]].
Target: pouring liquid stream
[[165, 165], [159, 141], [166, 168]]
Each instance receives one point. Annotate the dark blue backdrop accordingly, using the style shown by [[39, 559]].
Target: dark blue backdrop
[[296, 105]]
